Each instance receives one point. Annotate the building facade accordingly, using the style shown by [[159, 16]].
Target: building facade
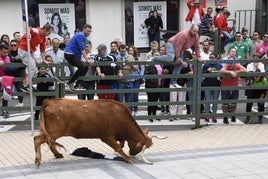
[[113, 18]]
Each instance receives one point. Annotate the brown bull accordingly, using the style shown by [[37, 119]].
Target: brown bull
[[107, 120]]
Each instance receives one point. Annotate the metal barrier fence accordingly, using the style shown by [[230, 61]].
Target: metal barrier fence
[[252, 19], [196, 77]]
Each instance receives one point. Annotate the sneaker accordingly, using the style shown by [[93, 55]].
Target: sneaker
[[225, 120], [233, 119], [79, 88], [2, 119], [133, 113], [19, 105], [162, 112], [69, 87], [25, 89], [167, 113], [136, 113], [206, 119], [214, 119], [171, 119], [259, 121], [58, 80], [151, 120], [5, 114], [247, 121], [175, 86]]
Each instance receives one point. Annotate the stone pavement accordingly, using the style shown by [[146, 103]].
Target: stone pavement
[[216, 151]]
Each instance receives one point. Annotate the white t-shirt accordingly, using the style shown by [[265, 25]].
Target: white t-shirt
[[196, 18], [204, 56], [253, 66]]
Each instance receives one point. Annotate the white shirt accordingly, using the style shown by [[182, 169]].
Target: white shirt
[[196, 18], [204, 56], [251, 67], [57, 57]]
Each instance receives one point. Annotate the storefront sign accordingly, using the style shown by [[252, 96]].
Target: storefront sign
[[141, 12], [220, 2], [60, 16]]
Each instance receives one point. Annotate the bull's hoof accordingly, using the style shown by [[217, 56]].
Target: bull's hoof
[[37, 163], [129, 160], [58, 155]]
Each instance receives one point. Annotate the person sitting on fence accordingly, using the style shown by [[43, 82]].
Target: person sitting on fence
[[176, 46], [4, 58], [224, 30], [212, 94], [231, 69], [37, 40], [256, 94]]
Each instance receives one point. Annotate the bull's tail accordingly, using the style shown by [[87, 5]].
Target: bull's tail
[[51, 142]]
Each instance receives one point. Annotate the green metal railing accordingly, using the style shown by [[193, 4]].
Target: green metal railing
[[197, 77]]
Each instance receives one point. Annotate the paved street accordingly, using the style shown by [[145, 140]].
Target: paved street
[[219, 151], [213, 151]]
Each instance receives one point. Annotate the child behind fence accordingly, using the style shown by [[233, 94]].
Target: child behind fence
[[42, 85]]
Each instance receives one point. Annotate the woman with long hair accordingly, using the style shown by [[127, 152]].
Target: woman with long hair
[[132, 50], [56, 22]]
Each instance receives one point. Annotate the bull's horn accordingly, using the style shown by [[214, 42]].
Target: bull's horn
[[158, 137], [143, 158]]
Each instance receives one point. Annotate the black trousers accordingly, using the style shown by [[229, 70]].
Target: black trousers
[[89, 85], [82, 67], [38, 102], [152, 97], [254, 94]]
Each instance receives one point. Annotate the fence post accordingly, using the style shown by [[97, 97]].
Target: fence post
[[61, 86], [197, 92], [217, 42]]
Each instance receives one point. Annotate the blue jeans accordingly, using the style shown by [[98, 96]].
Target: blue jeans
[[153, 36], [227, 39], [128, 96], [211, 95], [169, 57], [136, 94], [227, 94]]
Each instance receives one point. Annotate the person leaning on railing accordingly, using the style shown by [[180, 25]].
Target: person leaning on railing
[[232, 70], [212, 67]]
